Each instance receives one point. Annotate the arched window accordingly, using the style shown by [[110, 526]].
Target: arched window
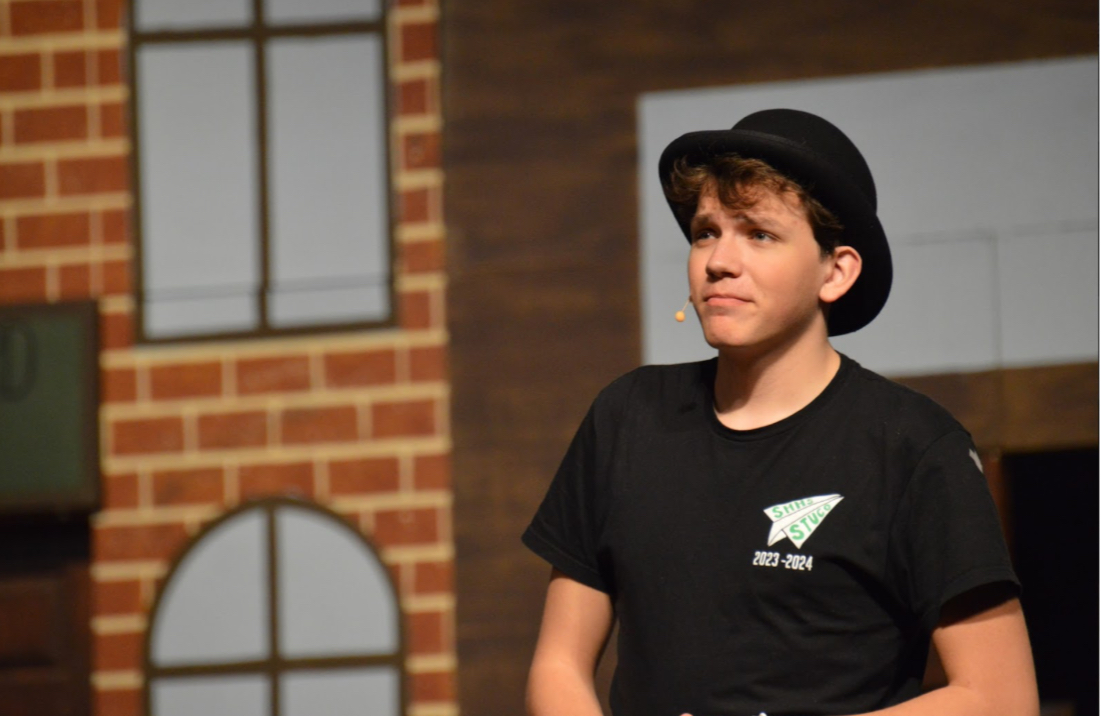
[[279, 608]]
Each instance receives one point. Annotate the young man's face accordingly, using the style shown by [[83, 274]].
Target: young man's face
[[754, 275]]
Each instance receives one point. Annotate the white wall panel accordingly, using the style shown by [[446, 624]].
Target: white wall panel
[[1048, 296]]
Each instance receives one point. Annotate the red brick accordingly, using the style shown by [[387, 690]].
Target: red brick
[[428, 363], [51, 124], [188, 487], [233, 430], [116, 330], [92, 175], [112, 119], [116, 277], [118, 385], [109, 67], [128, 542], [32, 18], [70, 69], [421, 150], [52, 230], [118, 702], [120, 491], [418, 41], [433, 686], [414, 205], [432, 472], [416, 309], [117, 652], [75, 281], [23, 180], [413, 97], [266, 375], [413, 526], [433, 577], [349, 477], [116, 226], [319, 425], [147, 435], [263, 480], [116, 597], [416, 417], [20, 72], [19, 285], [185, 380], [109, 14], [360, 368], [422, 256], [426, 633]]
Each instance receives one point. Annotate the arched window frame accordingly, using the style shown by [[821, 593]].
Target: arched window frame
[[274, 666]]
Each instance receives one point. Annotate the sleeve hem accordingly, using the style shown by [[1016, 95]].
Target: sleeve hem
[[965, 582], [561, 560]]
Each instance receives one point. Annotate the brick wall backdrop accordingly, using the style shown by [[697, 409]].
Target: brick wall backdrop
[[357, 421]]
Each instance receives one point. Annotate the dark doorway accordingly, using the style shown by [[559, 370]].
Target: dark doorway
[[44, 617], [1054, 523]]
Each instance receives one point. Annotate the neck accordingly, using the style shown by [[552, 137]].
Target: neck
[[760, 388]]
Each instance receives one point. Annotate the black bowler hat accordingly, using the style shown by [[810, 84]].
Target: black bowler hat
[[817, 155]]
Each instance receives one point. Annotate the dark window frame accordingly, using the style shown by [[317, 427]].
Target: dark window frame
[[258, 34]]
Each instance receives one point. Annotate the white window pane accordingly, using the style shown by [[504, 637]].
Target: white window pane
[[193, 14], [171, 315], [215, 608], [196, 124], [328, 179], [334, 595], [337, 304], [242, 695], [281, 11], [343, 692]]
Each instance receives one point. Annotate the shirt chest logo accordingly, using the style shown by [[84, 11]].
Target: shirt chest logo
[[797, 520]]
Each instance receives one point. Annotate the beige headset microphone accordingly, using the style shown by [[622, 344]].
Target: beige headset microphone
[[679, 315]]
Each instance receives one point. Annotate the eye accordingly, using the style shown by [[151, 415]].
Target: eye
[[703, 233], [762, 236]]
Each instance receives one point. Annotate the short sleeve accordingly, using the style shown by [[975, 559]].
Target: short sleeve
[[946, 538], [565, 530]]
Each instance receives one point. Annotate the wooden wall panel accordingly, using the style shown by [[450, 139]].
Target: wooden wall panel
[[541, 205]]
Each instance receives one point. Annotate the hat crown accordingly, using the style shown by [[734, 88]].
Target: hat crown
[[817, 136]]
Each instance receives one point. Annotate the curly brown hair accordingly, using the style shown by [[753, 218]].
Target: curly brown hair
[[737, 181]]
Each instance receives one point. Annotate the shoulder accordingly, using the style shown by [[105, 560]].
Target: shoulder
[[654, 385], [903, 411]]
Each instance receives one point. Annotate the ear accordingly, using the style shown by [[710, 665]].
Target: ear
[[843, 267]]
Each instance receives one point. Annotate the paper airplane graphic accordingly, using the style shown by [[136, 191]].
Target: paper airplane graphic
[[797, 520]]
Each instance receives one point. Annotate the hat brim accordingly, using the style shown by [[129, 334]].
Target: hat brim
[[835, 190]]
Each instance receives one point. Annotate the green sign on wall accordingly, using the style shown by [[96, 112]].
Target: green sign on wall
[[49, 457]]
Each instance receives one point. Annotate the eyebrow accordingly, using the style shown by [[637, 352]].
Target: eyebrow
[[741, 215]]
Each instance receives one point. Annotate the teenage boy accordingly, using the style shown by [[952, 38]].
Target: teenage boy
[[776, 530]]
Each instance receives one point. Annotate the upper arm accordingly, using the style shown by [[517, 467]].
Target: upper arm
[[983, 644], [576, 622]]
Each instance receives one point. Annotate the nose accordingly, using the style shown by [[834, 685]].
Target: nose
[[725, 258]]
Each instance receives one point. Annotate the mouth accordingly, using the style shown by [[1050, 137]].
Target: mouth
[[725, 299]]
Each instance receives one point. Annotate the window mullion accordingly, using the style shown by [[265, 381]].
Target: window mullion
[[259, 39]]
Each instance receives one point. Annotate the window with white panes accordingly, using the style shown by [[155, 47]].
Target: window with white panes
[[262, 199], [277, 609]]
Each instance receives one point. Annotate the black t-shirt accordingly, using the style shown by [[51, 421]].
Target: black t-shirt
[[798, 568]]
